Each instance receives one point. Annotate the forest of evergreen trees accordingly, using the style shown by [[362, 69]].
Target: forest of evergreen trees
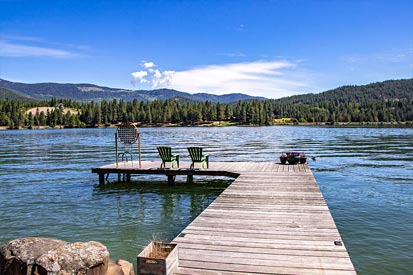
[[183, 112]]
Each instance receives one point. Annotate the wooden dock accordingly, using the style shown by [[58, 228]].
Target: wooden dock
[[272, 219]]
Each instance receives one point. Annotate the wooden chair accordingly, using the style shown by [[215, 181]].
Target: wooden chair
[[196, 156], [165, 153]]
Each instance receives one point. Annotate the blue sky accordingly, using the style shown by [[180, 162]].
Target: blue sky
[[266, 48]]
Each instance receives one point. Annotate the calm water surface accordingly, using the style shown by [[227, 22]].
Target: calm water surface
[[47, 188]]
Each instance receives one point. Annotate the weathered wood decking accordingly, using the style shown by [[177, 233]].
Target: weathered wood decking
[[229, 169], [272, 219]]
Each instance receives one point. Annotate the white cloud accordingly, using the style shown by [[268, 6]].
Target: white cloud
[[139, 77], [271, 79], [18, 50], [162, 79], [157, 74], [148, 65]]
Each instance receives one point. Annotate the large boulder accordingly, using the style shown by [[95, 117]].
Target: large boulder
[[18, 256], [90, 258], [43, 256]]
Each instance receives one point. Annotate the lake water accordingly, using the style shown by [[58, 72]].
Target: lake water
[[47, 188]]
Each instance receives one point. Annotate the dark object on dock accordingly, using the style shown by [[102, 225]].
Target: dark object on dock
[[293, 158], [303, 158]]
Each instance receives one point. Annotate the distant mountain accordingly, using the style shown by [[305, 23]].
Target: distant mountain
[[390, 90], [88, 92]]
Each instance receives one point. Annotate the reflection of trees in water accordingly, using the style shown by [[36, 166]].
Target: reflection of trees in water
[[144, 208], [168, 206], [198, 203]]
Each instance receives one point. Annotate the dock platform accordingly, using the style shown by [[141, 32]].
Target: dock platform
[[272, 219]]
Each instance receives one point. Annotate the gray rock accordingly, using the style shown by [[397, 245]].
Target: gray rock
[[90, 258], [44, 256], [18, 256]]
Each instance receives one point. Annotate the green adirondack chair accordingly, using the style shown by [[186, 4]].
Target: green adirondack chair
[[196, 156], [165, 153]]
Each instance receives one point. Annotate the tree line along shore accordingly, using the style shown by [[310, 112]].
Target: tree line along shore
[[67, 113]]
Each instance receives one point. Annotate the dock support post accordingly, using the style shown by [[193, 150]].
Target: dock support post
[[190, 179], [128, 177], [171, 179], [101, 179]]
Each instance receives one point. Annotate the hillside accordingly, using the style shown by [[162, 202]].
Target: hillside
[[89, 92], [390, 90], [6, 93]]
